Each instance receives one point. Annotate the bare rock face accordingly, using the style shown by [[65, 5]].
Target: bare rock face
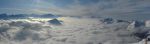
[[55, 22], [108, 20], [135, 24]]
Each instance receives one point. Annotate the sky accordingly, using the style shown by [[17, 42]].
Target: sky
[[122, 9], [34, 6]]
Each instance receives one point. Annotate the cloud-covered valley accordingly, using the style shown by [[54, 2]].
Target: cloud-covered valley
[[72, 31], [74, 21]]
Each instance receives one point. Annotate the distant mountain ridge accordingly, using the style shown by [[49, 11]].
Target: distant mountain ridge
[[22, 16]]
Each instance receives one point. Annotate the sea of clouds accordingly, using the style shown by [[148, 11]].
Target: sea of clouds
[[72, 31]]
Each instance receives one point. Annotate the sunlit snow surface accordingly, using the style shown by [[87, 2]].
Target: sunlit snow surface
[[72, 31]]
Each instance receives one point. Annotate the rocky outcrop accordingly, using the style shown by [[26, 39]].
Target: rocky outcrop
[[55, 22]]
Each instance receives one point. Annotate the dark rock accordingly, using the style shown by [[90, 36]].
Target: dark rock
[[55, 22]]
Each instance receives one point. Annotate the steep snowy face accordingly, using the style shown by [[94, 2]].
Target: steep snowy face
[[73, 31]]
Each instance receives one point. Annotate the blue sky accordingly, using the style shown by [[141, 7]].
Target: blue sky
[[10, 6], [16, 3], [22, 6], [134, 9], [32, 3]]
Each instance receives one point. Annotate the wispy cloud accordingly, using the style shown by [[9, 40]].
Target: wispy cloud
[[106, 8], [112, 8]]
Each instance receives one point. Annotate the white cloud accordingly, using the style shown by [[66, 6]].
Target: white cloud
[[73, 31], [111, 8]]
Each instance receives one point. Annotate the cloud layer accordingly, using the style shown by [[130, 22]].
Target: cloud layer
[[72, 31]]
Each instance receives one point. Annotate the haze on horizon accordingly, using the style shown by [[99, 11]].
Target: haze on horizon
[[74, 21], [119, 9]]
